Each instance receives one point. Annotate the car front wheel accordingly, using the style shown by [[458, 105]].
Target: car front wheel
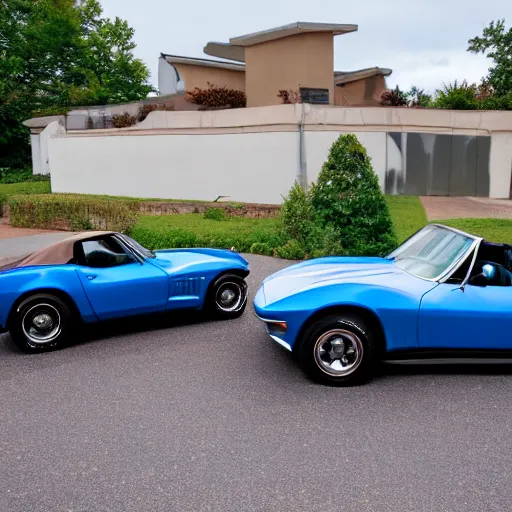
[[228, 297], [338, 350], [41, 323]]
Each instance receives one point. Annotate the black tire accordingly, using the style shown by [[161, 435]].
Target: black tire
[[316, 351], [234, 289], [47, 309]]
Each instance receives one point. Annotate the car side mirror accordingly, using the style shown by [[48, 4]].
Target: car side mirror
[[488, 273]]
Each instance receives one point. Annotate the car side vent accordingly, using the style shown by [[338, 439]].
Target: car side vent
[[187, 287]]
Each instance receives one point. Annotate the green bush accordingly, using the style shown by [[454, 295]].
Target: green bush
[[347, 197], [72, 212], [456, 96], [261, 248], [8, 176], [292, 250], [3, 201], [193, 230], [298, 215], [216, 214]]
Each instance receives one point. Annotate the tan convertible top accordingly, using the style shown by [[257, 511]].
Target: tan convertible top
[[58, 253]]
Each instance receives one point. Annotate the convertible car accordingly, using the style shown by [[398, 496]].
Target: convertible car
[[442, 293], [97, 276]]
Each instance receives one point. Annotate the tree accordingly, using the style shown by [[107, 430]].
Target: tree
[[496, 43], [55, 54], [418, 98], [393, 98], [347, 198], [457, 96]]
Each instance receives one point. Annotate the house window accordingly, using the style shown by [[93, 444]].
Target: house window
[[318, 96]]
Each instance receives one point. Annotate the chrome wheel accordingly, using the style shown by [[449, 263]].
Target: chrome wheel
[[41, 324], [230, 296], [338, 352]]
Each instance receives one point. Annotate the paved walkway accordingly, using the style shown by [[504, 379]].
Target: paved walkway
[[7, 231], [471, 207]]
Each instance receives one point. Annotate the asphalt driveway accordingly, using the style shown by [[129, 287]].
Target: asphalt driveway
[[215, 417]]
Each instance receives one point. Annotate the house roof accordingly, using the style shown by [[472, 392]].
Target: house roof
[[293, 29], [344, 77], [225, 51], [208, 63], [235, 49]]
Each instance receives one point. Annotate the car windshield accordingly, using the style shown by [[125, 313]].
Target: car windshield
[[137, 247], [431, 252]]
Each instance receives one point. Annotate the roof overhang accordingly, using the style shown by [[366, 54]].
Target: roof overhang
[[293, 29], [225, 51], [206, 63], [235, 49], [344, 77]]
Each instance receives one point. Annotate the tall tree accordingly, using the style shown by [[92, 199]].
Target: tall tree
[[58, 54], [496, 43]]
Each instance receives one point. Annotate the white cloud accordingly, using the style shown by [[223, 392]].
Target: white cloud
[[429, 70]]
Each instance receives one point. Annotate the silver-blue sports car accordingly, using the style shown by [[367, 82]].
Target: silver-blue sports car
[[442, 293]]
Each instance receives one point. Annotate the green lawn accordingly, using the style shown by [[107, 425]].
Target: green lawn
[[494, 230], [193, 230], [34, 187], [167, 231], [408, 215]]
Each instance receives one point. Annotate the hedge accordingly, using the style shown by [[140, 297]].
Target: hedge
[[259, 236], [76, 213]]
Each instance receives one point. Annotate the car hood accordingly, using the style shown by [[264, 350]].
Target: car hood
[[178, 259], [331, 271]]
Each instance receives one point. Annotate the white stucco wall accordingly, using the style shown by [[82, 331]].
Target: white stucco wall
[[252, 167], [35, 146], [167, 78], [500, 165], [40, 146], [251, 154]]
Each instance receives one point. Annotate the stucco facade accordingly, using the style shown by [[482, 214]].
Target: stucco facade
[[200, 76], [304, 60], [364, 92], [291, 58]]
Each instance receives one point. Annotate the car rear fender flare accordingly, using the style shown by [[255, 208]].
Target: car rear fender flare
[[367, 315], [50, 291]]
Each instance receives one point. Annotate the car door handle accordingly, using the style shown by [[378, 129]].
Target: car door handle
[[91, 277]]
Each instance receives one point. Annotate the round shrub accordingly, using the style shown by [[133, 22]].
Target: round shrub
[[261, 248], [348, 198], [298, 215], [292, 250]]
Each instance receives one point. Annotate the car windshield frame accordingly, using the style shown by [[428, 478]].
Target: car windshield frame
[[458, 259], [135, 247]]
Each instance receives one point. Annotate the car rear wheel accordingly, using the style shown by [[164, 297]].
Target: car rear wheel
[[338, 350], [41, 323], [228, 296]]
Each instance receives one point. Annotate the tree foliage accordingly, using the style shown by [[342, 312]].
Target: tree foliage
[[394, 98], [496, 43], [348, 198], [344, 212], [60, 53]]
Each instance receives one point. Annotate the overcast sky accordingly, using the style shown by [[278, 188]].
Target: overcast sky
[[423, 41]]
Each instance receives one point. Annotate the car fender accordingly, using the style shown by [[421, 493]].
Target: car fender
[[17, 283], [397, 310]]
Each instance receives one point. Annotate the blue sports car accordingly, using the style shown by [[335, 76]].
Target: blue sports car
[[442, 293], [97, 276]]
